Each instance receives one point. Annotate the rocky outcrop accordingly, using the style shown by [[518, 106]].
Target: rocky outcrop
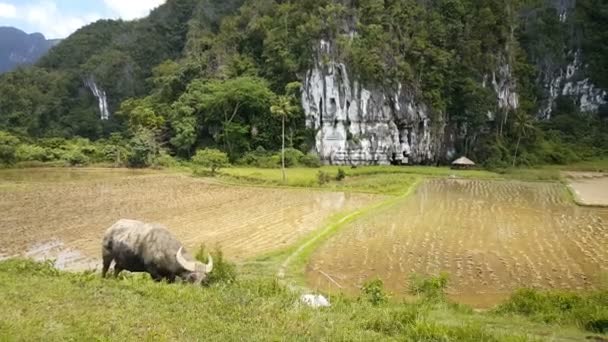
[[570, 81], [359, 124]]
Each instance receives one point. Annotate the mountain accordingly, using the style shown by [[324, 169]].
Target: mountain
[[381, 81], [19, 48]]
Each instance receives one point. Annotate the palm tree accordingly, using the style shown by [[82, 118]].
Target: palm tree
[[523, 126], [282, 108]]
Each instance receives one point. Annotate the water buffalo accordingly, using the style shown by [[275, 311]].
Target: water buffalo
[[140, 247]]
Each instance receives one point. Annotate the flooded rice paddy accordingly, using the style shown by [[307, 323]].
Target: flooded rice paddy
[[62, 214], [590, 188], [491, 238]]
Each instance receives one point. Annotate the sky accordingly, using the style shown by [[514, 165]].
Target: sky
[[60, 18]]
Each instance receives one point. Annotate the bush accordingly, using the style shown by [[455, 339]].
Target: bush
[[76, 158], [8, 147], [323, 177], [211, 158], [292, 157], [165, 160], [52, 143], [143, 149], [341, 175], [429, 288], [26, 152], [116, 154], [310, 160], [260, 158], [587, 311], [223, 270], [373, 292]]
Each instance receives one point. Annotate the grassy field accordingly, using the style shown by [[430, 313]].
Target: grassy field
[[41, 303]]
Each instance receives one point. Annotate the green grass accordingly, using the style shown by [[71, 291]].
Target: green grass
[[41, 303], [389, 180]]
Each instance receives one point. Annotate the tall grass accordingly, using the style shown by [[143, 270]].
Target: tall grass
[[40, 303], [587, 311]]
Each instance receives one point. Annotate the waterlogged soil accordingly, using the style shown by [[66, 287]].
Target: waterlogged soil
[[590, 188], [490, 237], [63, 213]]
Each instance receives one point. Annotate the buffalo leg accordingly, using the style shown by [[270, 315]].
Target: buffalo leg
[[117, 270], [107, 260]]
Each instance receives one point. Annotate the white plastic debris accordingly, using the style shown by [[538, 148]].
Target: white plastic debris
[[315, 301]]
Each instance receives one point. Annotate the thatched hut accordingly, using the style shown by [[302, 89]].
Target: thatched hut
[[463, 163]]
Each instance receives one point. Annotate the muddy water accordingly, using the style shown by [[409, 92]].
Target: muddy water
[[62, 214], [490, 237], [589, 188]]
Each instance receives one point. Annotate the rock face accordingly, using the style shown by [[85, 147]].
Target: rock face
[[360, 125], [569, 81]]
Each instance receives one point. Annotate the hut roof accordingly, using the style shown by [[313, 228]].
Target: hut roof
[[463, 161]]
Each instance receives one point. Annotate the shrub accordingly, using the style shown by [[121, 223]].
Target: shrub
[[52, 143], [429, 288], [323, 177], [223, 270], [165, 160], [373, 292], [292, 157], [115, 154], [260, 158], [26, 152], [8, 147], [76, 158], [341, 175], [211, 158], [587, 311], [310, 160], [143, 149]]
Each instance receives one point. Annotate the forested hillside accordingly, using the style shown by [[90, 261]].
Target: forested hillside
[[505, 82]]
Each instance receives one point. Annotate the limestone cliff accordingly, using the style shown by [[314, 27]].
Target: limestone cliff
[[361, 124], [569, 76], [570, 80]]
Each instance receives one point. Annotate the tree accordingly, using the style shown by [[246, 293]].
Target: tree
[[144, 148], [211, 158], [523, 126], [141, 113], [226, 109], [283, 108]]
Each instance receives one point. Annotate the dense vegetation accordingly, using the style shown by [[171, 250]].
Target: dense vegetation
[[207, 73]]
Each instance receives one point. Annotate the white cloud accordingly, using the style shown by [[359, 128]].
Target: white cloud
[[7, 11], [53, 23], [132, 9]]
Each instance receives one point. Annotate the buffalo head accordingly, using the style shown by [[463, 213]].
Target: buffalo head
[[195, 271]]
